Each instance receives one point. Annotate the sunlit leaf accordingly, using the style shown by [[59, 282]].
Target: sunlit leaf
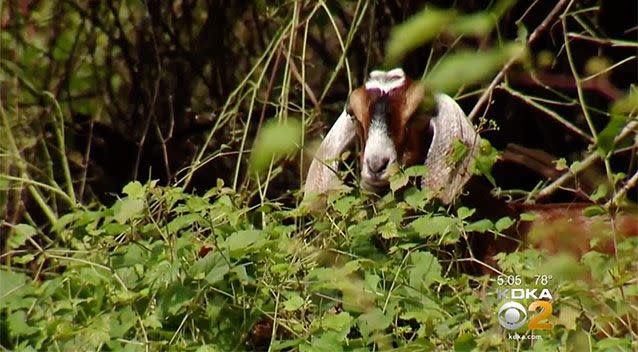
[[464, 212], [627, 105], [134, 189], [398, 180], [454, 70], [504, 223], [416, 170], [600, 192], [478, 24], [21, 233], [416, 31], [127, 209], [528, 216], [274, 141], [459, 151], [486, 159]]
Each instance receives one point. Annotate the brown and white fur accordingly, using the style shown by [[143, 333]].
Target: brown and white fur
[[386, 115]]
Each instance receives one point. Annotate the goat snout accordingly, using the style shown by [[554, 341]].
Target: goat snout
[[378, 164]]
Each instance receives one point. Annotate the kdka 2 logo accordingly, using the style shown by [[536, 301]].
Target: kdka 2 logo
[[513, 315]]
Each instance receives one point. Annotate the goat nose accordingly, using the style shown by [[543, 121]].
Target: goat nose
[[378, 164]]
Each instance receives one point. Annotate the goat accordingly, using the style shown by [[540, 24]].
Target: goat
[[387, 115]]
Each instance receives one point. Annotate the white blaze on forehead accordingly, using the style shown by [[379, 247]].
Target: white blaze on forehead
[[386, 81]]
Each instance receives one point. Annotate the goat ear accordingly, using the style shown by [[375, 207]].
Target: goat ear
[[446, 177], [359, 106], [321, 174], [414, 95]]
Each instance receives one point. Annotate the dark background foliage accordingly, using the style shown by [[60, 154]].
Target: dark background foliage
[[143, 83]]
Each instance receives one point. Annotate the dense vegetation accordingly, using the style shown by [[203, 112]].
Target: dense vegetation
[[152, 152]]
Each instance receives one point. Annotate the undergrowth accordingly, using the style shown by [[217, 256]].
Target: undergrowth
[[165, 269]]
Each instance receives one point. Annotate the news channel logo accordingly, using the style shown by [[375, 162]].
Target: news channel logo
[[513, 315]]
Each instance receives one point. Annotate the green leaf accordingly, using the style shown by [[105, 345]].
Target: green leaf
[[134, 189], [176, 297], [464, 213], [486, 159], [24, 259], [575, 166], [424, 271], [343, 205], [19, 326], [293, 302], [607, 136], [626, 105], [338, 322], [124, 322], [21, 233], [11, 282], [599, 264], [416, 31], [563, 267], [601, 192], [503, 223], [453, 71], [181, 222], [244, 240], [478, 24], [363, 228], [613, 344], [274, 141], [465, 342], [416, 198], [398, 180], [372, 321], [95, 334], [127, 208], [114, 229], [594, 210], [568, 316], [416, 170], [459, 151], [388, 230], [436, 225], [561, 164], [327, 342], [127, 256], [482, 225], [528, 216]]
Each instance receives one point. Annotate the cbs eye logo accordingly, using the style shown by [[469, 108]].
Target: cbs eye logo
[[513, 315]]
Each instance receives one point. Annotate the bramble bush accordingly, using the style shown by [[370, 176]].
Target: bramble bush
[[164, 269]]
